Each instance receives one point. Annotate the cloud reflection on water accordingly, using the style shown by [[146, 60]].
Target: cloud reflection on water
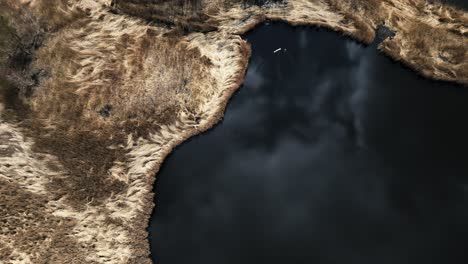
[[330, 153]]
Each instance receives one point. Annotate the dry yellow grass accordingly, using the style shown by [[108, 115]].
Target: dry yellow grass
[[431, 39], [95, 94]]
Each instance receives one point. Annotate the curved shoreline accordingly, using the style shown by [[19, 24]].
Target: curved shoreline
[[106, 51], [215, 119], [210, 124]]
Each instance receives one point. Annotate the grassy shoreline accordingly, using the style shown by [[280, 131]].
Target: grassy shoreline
[[109, 92]]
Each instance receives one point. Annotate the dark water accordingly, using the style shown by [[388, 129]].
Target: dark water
[[458, 3], [330, 153]]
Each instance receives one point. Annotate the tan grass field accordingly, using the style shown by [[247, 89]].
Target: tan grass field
[[94, 94]]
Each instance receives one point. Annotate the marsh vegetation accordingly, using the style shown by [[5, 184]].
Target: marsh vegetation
[[97, 93]]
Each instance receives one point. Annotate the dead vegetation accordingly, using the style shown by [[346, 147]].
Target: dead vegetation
[[431, 39], [8, 41], [56, 14], [365, 15], [84, 114], [424, 44], [23, 31], [364, 8], [96, 89], [186, 15], [91, 86], [21, 36]]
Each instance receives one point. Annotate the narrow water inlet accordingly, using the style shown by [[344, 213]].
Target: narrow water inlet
[[330, 153]]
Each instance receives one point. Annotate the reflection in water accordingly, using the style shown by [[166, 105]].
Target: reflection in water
[[330, 153]]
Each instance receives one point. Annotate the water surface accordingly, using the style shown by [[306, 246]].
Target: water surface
[[458, 3], [330, 153]]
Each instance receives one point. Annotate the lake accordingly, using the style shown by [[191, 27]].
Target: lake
[[330, 153]]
